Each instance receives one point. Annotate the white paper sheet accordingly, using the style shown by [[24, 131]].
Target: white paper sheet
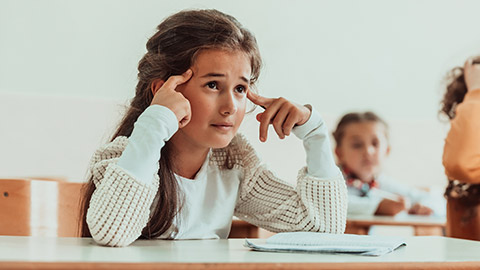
[[328, 243]]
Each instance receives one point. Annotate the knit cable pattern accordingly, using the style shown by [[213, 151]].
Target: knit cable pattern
[[120, 206], [318, 205]]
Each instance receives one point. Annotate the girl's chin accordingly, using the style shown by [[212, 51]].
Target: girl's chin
[[368, 175], [221, 143]]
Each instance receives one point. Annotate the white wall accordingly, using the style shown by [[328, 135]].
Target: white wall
[[66, 67]]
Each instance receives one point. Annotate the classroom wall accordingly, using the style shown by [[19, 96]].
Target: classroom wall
[[67, 68]]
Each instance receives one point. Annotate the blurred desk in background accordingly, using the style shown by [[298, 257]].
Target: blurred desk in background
[[243, 229], [422, 225], [357, 224]]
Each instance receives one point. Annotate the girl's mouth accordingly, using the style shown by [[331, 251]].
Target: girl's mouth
[[223, 126]]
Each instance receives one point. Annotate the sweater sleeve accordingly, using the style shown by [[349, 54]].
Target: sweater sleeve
[[154, 127], [319, 201], [461, 154], [125, 175]]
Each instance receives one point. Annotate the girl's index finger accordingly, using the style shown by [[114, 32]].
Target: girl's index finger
[[174, 81], [259, 100]]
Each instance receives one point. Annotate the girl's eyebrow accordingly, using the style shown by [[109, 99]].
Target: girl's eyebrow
[[223, 75]]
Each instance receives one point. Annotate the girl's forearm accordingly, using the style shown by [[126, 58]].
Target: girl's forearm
[[320, 161], [153, 128]]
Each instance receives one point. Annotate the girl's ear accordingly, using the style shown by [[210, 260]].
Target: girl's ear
[[388, 150], [156, 84], [338, 153]]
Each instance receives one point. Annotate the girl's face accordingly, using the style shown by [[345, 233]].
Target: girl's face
[[363, 149], [217, 92]]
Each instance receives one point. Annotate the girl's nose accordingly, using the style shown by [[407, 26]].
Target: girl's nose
[[228, 104], [370, 150]]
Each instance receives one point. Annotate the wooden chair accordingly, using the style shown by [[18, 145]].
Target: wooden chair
[[243, 229], [39, 207], [69, 195], [462, 221], [47, 178], [15, 207]]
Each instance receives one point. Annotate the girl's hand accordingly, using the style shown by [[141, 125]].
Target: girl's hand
[[279, 112], [389, 207], [165, 94], [418, 209], [472, 73]]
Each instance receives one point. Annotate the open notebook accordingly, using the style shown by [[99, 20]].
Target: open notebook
[[328, 243]]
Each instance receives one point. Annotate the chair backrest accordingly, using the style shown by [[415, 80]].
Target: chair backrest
[[69, 195], [47, 178], [462, 221], [39, 207], [15, 207]]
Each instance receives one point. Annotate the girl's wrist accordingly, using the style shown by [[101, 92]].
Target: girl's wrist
[[307, 112]]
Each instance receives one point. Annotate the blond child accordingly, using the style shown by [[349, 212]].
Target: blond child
[[361, 148]]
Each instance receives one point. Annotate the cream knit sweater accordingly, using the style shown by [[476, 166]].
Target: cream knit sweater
[[120, 206]]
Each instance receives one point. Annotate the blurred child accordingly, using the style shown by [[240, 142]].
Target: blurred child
[[461, 104], [362, 146]]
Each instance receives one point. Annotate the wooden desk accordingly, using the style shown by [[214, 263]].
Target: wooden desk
[[28, 252], [422, 225]]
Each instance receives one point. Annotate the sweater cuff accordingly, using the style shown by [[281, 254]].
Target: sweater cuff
[[156, 118], [312, 123]]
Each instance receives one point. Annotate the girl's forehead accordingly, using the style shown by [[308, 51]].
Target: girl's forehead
[[365, 128], [222, 59]]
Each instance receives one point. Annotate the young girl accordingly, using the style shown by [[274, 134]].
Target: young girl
[[361, 148], [176, 169]]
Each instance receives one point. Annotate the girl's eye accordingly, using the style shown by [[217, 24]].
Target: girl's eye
[[241, 89], [356, 145], [212, 85]]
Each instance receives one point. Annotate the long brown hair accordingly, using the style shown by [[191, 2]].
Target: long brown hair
[[171, 51], [456, 90], [356, 117]]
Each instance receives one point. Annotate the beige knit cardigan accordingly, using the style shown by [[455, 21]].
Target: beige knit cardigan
[[120, 206]]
